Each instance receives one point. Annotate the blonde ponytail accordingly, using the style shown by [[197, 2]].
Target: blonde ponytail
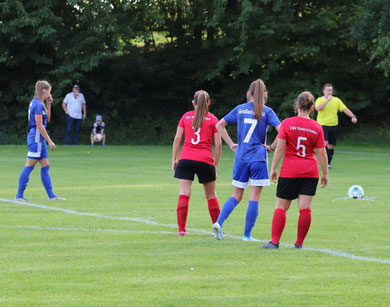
[[257, 90], [201, 99], [39, 86]]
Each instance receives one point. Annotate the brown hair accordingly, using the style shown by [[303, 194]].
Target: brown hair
[[257, 90], [39, 86], [305, 101], [326, 84], [201, 99]]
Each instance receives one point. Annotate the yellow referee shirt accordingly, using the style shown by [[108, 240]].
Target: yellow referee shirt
[[328, 116]]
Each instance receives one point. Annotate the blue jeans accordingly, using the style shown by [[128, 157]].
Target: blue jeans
[[75, 124]]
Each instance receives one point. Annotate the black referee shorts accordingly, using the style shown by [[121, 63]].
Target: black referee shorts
[[330, 134], [290, 188], [186, 169]]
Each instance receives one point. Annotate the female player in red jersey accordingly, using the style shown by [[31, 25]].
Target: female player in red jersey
[[297, 139], [196, 157]]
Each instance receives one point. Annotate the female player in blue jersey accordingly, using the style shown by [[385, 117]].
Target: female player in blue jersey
[[250, 162], [38, 117]]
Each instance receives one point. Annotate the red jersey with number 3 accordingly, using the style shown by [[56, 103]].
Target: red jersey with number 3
[[302, 136], [198, 144]]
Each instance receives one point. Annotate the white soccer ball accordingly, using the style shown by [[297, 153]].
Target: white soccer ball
[[98, 137], [356, 191]]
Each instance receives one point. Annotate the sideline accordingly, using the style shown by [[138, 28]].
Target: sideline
[[199, 231]]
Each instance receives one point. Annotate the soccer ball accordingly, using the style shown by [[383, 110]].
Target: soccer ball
[[356, 191], [98, 137]]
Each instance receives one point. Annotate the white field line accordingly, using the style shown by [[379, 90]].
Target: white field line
[[199, 231]]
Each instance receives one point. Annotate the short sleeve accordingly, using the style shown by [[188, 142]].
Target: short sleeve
[[38, 109], [103, 125], [181, 122], [231, 117], [215, 122], [82, 99], [282, 131], [320, 139], [342, 106], [66, 99], [272, 118], [317, 102]]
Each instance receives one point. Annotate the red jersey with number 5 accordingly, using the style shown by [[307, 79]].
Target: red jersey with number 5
[[302, 136], [198, 144]]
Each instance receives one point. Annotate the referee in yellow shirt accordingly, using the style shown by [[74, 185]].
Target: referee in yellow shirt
[[328, 107]]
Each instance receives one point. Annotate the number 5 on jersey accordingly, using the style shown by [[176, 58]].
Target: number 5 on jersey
[[301, 146], [195, 142]]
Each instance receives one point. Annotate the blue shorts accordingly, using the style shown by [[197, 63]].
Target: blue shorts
[[37, 148], [257, 172]]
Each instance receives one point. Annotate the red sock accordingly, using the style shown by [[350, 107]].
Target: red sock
[[278, 223], [304, 222], [213, 209], [182, 211]]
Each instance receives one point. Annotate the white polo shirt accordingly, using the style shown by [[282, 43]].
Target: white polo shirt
[[74, 105]]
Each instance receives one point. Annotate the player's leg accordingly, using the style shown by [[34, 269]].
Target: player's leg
[[104, 139], [182, 205], [230, 204], [92, 140], [252, 212], [331, 144], [24, 178], [212, 200], [304, 221]]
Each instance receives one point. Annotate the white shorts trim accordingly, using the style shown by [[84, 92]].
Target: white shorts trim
[[37, 135], [34, 154], [240, 184], [260, 182]]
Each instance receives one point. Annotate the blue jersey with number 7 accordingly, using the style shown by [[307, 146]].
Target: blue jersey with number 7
[[251, 133]]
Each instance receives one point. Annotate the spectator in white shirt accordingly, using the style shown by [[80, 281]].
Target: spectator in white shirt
[[75, 108]]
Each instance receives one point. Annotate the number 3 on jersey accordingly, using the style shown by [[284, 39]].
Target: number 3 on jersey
[[195, 142], [301, 146]]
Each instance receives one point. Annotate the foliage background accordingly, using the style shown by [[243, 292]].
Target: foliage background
[[139, 62]]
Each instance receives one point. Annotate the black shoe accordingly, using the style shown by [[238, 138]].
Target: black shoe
[[298, 246], [270, 245]]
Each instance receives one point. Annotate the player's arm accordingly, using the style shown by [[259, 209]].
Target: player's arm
[[279, 151], [349, 113], [322, 105], [221, 127], [272, 147], [323, 157], [64, 107], [176, 146], [42, 130], [49, 100], [218, 148], [102, 132]]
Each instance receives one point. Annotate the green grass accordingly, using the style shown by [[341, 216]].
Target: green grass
[[67, 259]]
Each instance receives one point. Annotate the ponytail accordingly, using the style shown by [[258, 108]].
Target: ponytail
[[201, 100], [257, 90], [39, 86]]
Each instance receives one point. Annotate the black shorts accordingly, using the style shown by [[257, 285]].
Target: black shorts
[[330, 134], [290, 188], [186, 169]]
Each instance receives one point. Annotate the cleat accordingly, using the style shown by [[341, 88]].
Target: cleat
[[181, 234], [21, 199], [270, 245], [298, 245], [246, 238], [104, 145], [92, 145], [329, 166], [217, 230], [57, 198]]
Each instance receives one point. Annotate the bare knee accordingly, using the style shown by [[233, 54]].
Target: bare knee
[[238, 193]]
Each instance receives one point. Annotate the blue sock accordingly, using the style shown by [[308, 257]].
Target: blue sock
[[23, 180], [46, 180], [227, 208], [251, 216]]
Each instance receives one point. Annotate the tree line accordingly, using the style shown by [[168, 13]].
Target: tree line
[[139, 62]]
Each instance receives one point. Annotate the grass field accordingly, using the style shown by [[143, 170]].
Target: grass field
[[113, 242]]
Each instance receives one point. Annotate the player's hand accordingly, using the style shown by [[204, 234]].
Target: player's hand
[[52, 145], [354, 120], [274, 175], [324, 181], [329, 98], [269, 150], [234, 147], [49, 99], [174, 165]]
